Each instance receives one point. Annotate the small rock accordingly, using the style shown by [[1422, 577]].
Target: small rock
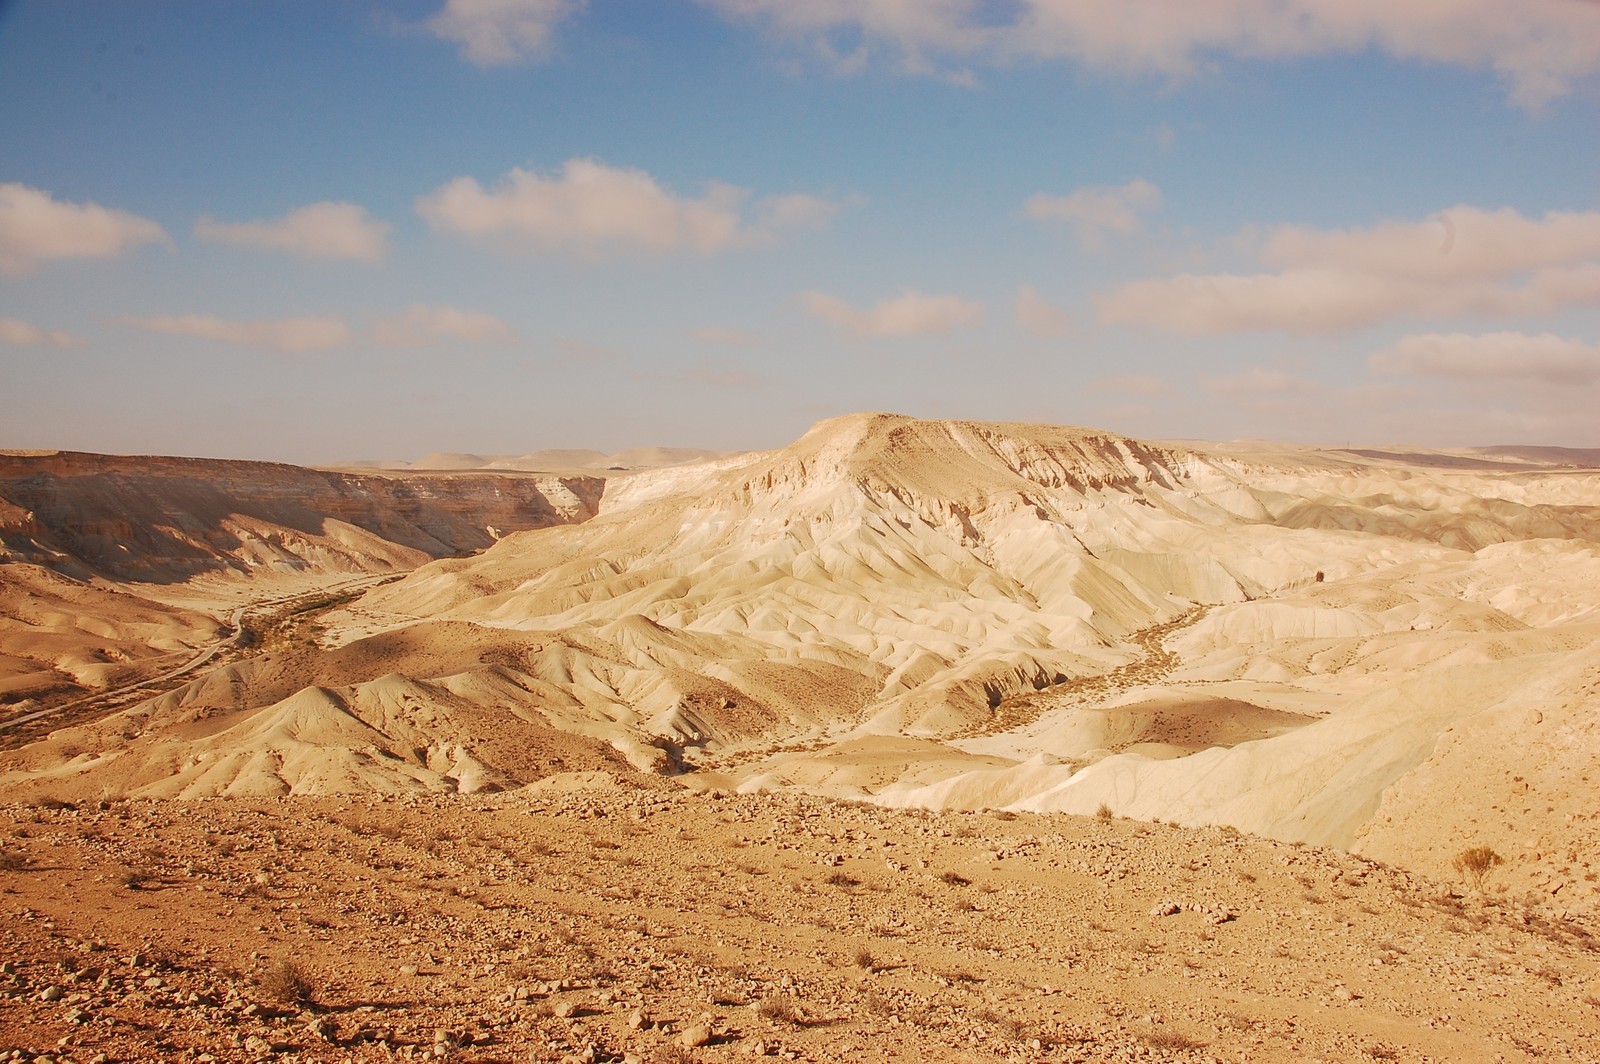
[[565, 1009], [637, 1020], [696, 1034], [408, 969], [50, 993]]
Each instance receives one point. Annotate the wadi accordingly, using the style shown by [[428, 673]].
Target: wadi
[[909, 740]]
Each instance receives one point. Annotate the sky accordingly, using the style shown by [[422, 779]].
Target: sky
[[333, 230]]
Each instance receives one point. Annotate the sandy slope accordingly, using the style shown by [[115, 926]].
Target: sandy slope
[[589, 918], [59, 634], [1333, 647]]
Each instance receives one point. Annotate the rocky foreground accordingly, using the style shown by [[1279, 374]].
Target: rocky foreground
[[593, 918]]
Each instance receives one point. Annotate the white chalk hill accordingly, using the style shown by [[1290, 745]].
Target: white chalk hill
[[962, 614]]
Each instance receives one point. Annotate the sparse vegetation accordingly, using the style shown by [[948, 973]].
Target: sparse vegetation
[[287, 984], [1104, 812], [781, 1009], [955, 879], [1165, 1039], [1475, 862]]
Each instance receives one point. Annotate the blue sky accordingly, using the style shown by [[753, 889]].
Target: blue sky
[[329, 231]]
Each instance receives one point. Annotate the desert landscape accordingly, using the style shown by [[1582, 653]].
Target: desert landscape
[[953, 531], [910, 740]]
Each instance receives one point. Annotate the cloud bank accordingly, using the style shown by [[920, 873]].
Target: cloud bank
[[294, 336], [26, 334], [421, 325], [1463, 261], [320, 230], [1539, 48], [595, 209], [497, 32], [1098, 210], [35, 226], [1542, 358], [911, 313], [1039, 316]]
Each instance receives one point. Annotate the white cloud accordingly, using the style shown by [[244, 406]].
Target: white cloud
[[594, 208], [321, 230], [290, 335], [1465, 260], [1099, 209], [1544, 358], [911, 313], [1540, 48], [34, 226], [1462, 243], [1259, 381], [26, 334], [1039, 316], [421, 325], [497, 32]]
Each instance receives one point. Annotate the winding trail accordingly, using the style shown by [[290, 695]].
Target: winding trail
[[233, 639]]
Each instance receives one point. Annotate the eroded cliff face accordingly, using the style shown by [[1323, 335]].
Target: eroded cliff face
[[157, 519]]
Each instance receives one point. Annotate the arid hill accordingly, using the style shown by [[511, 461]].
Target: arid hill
[[159, 520], [852, 750], [110, 564], [1318, 646]]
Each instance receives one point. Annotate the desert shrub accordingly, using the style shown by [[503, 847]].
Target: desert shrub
[[955, 879], [1475, 862], [1164, 1039], [1104, 812], [287, 984], [12, 861], [843, 880], [866, 960], [782, 1008]]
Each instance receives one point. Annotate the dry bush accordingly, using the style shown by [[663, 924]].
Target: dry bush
[[782, 1008], [866, 960], [1475, 862], [842, 880], [12, 861], [1170, 1040], [1007, 1027], [287, 984], [955, 879], [1104, 812]]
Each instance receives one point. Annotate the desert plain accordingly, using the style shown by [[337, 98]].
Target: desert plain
[[913, 740]]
